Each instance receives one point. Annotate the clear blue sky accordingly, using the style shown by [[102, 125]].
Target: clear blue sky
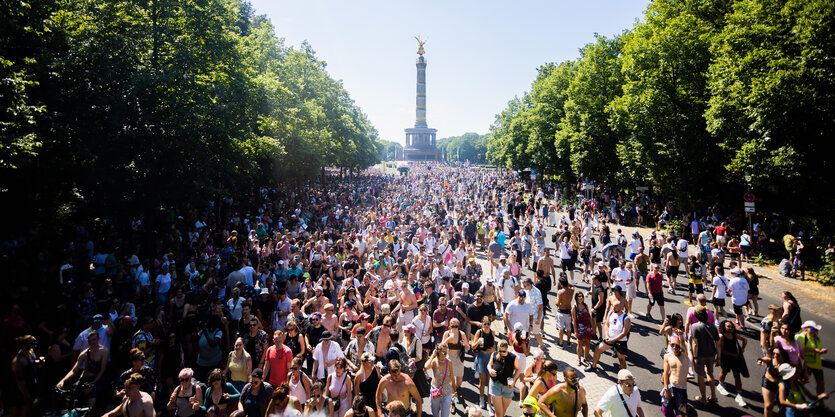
[[480, 54]]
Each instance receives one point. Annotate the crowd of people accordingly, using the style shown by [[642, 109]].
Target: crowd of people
[[371, 295]]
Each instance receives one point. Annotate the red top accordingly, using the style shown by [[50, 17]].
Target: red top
[[279, 360]]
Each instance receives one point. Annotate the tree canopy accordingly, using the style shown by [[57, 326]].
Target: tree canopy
[[688, 101], [128, 106]]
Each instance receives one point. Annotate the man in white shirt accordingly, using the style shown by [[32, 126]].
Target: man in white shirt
[[720, 289], [739, 287], [509, 286], [621, 276], [535, 300], [518, 311], [325, 355], [620, 396], [683, 255]]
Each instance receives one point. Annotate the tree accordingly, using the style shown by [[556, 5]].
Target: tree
[[585, 128], [665, 62], [772, 89]]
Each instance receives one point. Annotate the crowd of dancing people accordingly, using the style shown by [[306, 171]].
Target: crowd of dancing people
[[370, 295]]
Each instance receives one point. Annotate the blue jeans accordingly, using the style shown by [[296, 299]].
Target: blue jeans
[[441, 406]]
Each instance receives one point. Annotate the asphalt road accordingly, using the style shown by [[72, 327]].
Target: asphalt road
[[644, 361]]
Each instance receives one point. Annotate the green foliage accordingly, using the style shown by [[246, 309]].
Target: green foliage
[[826, 274], [772, 88], [387, 150], [141, 105], [467, 147], [591, 139]]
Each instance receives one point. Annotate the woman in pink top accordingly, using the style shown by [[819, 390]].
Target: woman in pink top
[[790, 346]]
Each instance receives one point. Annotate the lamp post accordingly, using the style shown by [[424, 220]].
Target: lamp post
[[750, 215]]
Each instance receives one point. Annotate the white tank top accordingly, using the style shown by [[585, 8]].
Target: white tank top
[[616, 323]]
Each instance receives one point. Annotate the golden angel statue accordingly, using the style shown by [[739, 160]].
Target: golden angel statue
[[420, 46]]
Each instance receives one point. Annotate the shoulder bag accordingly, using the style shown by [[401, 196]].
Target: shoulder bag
[[438, 392]]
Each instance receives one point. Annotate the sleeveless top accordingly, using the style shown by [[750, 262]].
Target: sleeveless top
[[489, 341], [297, 389], [293, 344], [504, 367], [458, 345], [338, 387], [368, 389], [91, 365], [616, 324], [236, 368], [182, 403], [441, 377]]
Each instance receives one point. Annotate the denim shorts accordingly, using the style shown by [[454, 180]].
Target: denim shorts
[[500, 390]]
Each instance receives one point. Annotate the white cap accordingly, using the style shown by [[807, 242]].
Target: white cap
[[625, 374], [465, 285]]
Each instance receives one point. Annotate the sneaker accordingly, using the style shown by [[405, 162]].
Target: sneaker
[[455, 399], [688, 303], [722, 390], [481, 402], [491, 410], [740, 401], [590, 368]]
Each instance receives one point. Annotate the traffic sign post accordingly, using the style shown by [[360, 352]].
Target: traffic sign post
[[748, 197]]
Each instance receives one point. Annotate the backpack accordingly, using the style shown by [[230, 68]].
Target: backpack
[[404, 359], [622, 240]]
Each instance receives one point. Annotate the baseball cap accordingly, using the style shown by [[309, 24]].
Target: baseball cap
[[465, 285], [625, 374], [490, 279], [522, 293], [517, 327]]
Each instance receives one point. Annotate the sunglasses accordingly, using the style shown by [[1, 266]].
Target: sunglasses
[[316, 396], [185, 379], [628, 384], [454, 326], [502, 351], [314, 319]]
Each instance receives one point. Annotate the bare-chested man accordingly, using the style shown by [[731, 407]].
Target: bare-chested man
[[565, 294], [565, 399], [383, 339], [398, 387], [136, 402], [674, 377], [330, 320], [408, 303], [546, 265]]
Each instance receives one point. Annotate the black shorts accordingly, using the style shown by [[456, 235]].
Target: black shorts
[[657, 298], [770, 385], [471, 240], [738, 309], [719, 302], [567, 264], [696, 288], [672, 271], [619, 345]]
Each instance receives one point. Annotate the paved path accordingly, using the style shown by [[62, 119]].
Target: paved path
[[645, 344]]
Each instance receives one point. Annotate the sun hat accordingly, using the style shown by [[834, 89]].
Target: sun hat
[[810, 324], [786, 371]]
